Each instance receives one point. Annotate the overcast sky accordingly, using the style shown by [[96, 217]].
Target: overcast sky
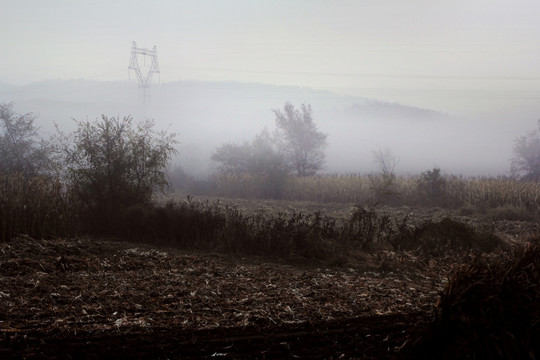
[[459, 56]]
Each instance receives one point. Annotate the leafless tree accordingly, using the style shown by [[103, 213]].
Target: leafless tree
[[299, 140], [526, 161]]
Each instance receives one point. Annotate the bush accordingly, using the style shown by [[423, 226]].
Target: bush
[[383, 187], [253, 169], [445, 237], [365, 229], [113, 165], [431, 188], [213, 227]]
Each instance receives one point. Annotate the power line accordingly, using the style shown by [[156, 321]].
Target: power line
[[144, 80]]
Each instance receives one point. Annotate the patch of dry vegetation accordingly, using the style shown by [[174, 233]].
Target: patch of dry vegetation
[[489, 309], [37, 206], [479, 194], [102, 286], [224, 228]]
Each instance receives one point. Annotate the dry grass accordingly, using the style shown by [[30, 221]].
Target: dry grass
[[224, 228], [41, 207], [478, 193], [37, 206]]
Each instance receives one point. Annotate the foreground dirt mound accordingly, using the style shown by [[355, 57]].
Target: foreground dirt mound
[[489, 310], [86, 296]]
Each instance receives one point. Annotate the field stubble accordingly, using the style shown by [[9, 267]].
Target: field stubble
[[96, 289], [58, 294]]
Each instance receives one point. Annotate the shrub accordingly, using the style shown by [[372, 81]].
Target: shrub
[[431, 188], [444, 237], [211, 226], [383, 187], [113, 165], [257, 163], [214, 227], [366, 228]]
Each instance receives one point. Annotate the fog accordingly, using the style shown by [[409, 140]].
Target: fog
[[448, 84], [205, 115]]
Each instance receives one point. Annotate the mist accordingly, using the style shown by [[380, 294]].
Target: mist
[[205, 115], [450, 86]]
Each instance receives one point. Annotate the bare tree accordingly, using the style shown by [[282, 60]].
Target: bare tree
[[299, 140], [383, 184], [526, 160]]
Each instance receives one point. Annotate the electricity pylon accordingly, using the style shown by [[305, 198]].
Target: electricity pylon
[[144, 80]]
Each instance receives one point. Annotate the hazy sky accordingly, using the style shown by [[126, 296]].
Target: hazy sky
[[460, 56]]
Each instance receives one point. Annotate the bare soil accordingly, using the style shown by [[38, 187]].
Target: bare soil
[[90, 298], [96, 298]]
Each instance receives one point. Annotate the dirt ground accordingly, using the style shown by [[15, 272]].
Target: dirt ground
[[90, 298], [96, 298]]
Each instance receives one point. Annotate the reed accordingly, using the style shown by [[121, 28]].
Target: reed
[[38, 206]]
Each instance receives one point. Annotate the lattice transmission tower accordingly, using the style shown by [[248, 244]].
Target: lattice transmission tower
[[144, 78]]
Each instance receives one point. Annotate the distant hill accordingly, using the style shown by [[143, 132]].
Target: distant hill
[[393, 111], [207, 114]]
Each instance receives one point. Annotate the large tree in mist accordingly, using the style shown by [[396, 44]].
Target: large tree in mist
[[298, 139], [257, 160], [526, 160], [256, 157]]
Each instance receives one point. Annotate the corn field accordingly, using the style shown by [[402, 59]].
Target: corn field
[[482, 192], [43, 207]]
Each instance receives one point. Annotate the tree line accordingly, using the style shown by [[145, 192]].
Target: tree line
[[111, 164], [296, 146]]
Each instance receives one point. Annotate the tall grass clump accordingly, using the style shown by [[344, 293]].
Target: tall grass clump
[[213, 226], [39, 206], [210, 226]]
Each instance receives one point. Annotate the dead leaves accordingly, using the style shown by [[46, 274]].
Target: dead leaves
[[107, 286]]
